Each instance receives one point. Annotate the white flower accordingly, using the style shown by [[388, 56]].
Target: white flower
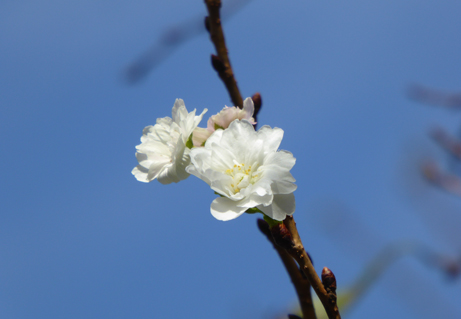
[[163, 154], [245, 168], [223, 119]]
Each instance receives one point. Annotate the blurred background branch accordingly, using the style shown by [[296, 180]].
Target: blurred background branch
[[171, 39]]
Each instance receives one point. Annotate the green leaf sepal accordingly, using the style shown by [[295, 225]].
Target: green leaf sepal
[[254, 210], [189, 143], [272, 222]]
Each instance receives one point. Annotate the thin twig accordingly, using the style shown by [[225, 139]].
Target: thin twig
[[301, 284], [450, 266], [298, 252], [434, 96], [449, 143], [222, 65], [221, 62], [446, 181]]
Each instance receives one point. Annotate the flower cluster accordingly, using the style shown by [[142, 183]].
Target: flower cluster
[[163, 153], [240, 164]]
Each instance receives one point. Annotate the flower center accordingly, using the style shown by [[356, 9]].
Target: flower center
[[242, 176]]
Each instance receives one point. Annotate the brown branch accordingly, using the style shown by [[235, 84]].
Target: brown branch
[[449, 143], [301, 284], [448, 182], [221, 62], [434, 97], [171, 39], [448, 265], [297, 251]]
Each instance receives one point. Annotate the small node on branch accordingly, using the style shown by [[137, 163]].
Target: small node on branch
[[217, 64], [329, 282], [282, 236], [207, 23]]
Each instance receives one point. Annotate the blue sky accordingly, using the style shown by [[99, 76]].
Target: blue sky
[[81, 238]]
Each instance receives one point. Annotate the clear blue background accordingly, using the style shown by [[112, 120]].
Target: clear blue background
[[81, 238]]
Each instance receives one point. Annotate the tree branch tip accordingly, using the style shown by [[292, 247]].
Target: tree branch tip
[[257, 102], [328, 279]]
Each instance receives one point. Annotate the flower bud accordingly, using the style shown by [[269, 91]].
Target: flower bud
[[282, 236], [329, 280], [257, 101]]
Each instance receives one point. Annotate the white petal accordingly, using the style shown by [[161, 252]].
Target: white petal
[[198, 118], [200, 135], [221, 184], [262, 187], [181, 160], [281, 206], [179, 111], [155, 168], [240, 130], [223, 208], [140, 173], [248, 110], [163, 121], [168, 175], [248, 106], [239, 138], [283, 187], [222, 158], [199, 163], [189, 123], [282, 159], [272, 137], [215, 138], [255, 200]]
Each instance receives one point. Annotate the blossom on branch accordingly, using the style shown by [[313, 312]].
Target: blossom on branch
[[164, 150], [223, 119], [245, 168]]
